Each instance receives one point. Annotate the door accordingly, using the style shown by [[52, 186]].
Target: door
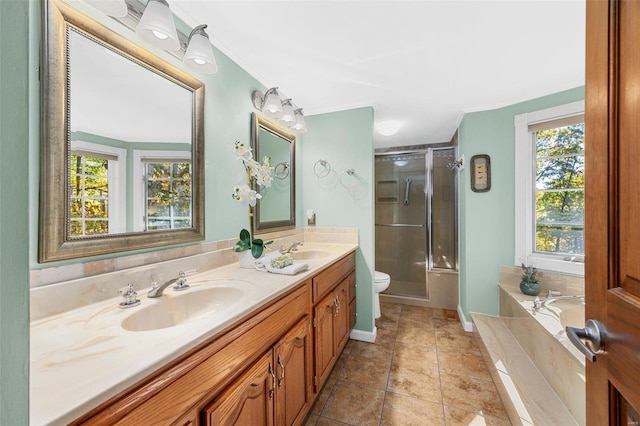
[[324, 338], [612, 270], [248, 400], [401, 228], [292, 356], [342, 314]]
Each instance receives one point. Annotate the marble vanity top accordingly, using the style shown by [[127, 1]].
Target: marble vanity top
[[83, 357]]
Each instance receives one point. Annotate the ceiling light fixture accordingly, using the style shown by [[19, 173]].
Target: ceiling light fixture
[[388, 128], [158, 27], [199, 55], [115, 8], [284, 111]]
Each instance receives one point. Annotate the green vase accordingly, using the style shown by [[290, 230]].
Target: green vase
[[531, 289]]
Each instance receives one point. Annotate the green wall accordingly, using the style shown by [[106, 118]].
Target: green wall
[[345, 140], [14, 203], [487, 219]]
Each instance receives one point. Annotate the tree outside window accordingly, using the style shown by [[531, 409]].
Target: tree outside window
[[168, 195], [559, 193]]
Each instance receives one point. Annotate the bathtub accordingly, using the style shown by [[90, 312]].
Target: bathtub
[[534, 344]]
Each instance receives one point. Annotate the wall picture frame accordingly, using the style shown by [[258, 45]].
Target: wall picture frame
[[480, 173]]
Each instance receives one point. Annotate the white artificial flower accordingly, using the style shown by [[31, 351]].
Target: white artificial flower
[[243, 153], [245, 195]]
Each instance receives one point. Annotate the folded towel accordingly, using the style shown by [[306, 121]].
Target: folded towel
[[264, 261], [289, 270]]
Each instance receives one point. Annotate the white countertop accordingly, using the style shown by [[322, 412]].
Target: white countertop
[[83, 357]]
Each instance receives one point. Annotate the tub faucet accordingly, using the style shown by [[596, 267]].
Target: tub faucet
[[292, 247], [180, 284]]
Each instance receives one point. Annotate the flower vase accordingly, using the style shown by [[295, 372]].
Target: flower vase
[[247, 260], [530, 289]]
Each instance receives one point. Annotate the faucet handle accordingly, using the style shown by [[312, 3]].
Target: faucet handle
[[129, 296], [181, 282], [154, 281]]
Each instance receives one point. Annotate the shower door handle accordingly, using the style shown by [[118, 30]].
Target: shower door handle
[[406, 191]]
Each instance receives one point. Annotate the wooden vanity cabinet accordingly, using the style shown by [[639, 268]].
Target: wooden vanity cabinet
[[275, 390], [263, 370], [332, 316]]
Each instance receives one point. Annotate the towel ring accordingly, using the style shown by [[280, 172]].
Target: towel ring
[[324, 170], [281, 171], [352, 173]]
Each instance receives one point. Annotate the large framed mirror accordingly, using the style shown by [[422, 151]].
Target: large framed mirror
[[122, 142], [276, 209]]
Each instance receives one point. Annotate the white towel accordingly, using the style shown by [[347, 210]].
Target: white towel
[[289, 270], [265, 261]]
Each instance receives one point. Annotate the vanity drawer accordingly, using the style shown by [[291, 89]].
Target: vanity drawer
[[326, 280]]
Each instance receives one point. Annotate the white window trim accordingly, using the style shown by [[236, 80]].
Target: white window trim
[[138, 187], [117, 175], [525, 193]]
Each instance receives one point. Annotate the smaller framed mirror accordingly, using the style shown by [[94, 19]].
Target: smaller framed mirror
[[276, 209]]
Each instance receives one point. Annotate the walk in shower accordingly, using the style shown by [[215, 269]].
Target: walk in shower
[[416, 226]]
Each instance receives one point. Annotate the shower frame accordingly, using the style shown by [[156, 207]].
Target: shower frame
[[428, 153]]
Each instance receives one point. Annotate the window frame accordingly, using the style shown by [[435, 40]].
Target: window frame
[[117, 178], [525, 169], [139, 190]]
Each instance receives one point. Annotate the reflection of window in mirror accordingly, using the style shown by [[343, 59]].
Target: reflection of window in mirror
[[97, 174], [163, 200]]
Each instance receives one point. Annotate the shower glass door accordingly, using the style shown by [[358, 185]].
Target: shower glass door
[[401, 222]]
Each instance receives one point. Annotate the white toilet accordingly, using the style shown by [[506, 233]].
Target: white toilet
[[380, 283]]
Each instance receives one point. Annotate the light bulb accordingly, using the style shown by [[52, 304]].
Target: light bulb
[[161, 36]]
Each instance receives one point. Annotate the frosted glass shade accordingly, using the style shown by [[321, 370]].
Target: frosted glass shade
[[272, 104], [115, 8], [288, 116], [299, 126], [199, 56], [157, 26]]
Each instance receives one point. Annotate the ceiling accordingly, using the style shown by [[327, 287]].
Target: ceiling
[[421, 63]]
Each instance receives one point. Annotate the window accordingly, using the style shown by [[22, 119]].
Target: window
[[94, 187], [550, 189], [164, 200]]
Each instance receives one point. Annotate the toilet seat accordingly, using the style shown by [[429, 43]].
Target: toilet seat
[[381, 277]]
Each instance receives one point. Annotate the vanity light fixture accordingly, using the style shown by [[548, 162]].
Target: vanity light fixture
[[271, 104], [158, 27], [199, 55], [299, 126], [288, 116], [284, 111], [115, 8]]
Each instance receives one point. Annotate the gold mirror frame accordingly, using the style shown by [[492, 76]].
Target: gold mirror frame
[[54, 244], [261, 123]]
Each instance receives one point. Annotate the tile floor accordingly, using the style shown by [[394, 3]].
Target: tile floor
[[422, 370]]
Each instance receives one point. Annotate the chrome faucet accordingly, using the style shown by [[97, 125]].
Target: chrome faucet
[[292, 247], [180, 284]]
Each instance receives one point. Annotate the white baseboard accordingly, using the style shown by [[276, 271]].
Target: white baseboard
[[466, 325], [364, 336]]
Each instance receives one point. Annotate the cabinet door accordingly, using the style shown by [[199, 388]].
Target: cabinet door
[[248, 400], [342, 315], [292, 362], [324, 338]]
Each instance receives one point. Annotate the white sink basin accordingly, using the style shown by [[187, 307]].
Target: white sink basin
[[309, 254], [195, 303]]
